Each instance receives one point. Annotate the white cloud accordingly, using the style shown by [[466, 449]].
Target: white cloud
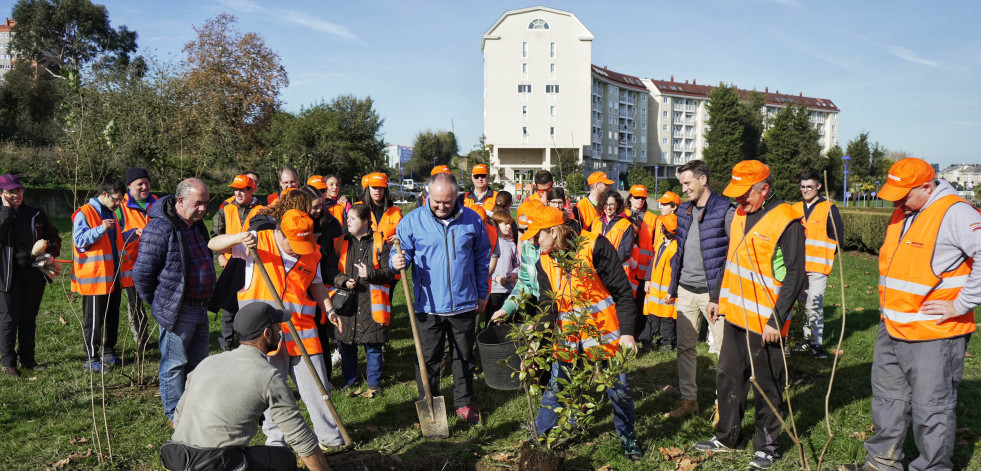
[[241, 5], [908, 55], [316, 23]]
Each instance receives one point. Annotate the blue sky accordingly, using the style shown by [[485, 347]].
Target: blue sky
[[907, 72]]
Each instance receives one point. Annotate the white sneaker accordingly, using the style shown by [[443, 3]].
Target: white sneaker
[[335, 358]]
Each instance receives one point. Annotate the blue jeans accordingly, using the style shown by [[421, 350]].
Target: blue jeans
[[349, 363], [620, 398], [181, 349]]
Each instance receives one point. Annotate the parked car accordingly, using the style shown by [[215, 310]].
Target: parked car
[[399, 193], [410, 185]]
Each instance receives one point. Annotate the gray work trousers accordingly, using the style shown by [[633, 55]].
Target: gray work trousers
[[323, 423], [918, 381], [813, 299]]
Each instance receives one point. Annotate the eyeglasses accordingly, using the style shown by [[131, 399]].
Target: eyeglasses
[[807, 187], [115, 199], [610, 205], [556, 202], [479, 176]]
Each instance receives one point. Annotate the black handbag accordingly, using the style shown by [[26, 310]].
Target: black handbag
[[345, 300]]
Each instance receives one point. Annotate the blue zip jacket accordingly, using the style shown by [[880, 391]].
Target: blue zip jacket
[[449, 262], [714, 236]]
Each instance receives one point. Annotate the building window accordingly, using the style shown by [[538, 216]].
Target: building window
[[551, 111], [643, 98], [665, 113], [551, 71], [524, 110], [643, 154], [664, 155], [551, 131], [611, 103], [664, 140], [643, 139], [524, 130], [524, 88], [643, 112], [832, 128], [551, 89], [524, 49], [643, 124], [551, 50], [538, 23], [664, 99], [664, 127]]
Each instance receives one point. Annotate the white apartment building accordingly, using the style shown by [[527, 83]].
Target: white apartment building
[[543, 96], [537, 89], [6, 56], [966, 175]]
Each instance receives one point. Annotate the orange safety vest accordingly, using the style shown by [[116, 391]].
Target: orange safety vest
[[94, 270], [132, 219], [233, 222], [294, 295], [337, 211], [381, 303], [660, 280], [749, 289], [905, 285], [272, 198], [389, 221], [643, 250], [820, 249], [487, 205], [596, 301], [615, 236], [587, 212]]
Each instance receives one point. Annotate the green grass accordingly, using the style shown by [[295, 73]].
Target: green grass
[[45, 413]]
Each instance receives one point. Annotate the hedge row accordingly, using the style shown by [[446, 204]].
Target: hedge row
[[865, 228]]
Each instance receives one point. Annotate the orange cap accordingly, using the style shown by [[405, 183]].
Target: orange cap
[[598, 177], [318, 182], [298, 229], [529, 207], [670, 222], [364, 180], [377, 179], [638, 191], [670, 197], [241, 182], [440, 169], [545, 218], [905, 175], [744, 175], [480, 169]]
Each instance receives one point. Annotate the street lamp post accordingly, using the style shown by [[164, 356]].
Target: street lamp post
[[845, 159]]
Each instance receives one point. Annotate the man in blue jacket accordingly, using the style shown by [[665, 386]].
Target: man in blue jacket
[[448, 248], [175, 273]]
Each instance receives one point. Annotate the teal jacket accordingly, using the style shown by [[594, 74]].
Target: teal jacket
[[527, 277]]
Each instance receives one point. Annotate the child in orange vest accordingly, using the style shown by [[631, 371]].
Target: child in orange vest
[[660, 313]]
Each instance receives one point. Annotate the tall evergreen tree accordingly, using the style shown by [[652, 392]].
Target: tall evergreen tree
[[789, 147], [725, 136], [861, 157]]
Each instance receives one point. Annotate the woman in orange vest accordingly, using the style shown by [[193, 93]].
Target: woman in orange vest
[[611, 303], [290, 255], [335, 203], [359, 262], [385, 216], [644, 225], [614, 225], [659, 308]]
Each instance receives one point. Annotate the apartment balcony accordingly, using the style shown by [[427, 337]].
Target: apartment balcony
[[624, 98], [598, 107], [690, 122], [597, 138], [625, 114], [678, 135], [679, 107], [817, 119], [679, 121], [690, 108], [598, 123], [678, 147]]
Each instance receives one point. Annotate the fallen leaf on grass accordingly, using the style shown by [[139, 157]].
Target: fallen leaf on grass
[[501, 457], [835, 351], [604, 468], [669, 388], [368, 393], [74, 456], [62, 320], [416, 425], [32, 378], [867, 273], [858, 309], [848, 285], [968, 355], [859, 435], [77, 440], [670, 453], [687, 465]]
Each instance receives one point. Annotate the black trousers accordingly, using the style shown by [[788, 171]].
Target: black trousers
[[18, 317], [654, 325], [138, 320], [100, 322], [179, 457], [226, 339], [460, 330], [495, 301], [732, 381]]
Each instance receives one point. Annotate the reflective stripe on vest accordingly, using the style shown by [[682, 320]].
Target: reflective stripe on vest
[[654, 302], [749, 292], [643, 250], [292, 286], [94, 270], [381, 301], [819, 248], [904, 286], [596, 302]]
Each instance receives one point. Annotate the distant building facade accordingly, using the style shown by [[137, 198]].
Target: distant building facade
[[543, 97], [6, 55], [967, 176]]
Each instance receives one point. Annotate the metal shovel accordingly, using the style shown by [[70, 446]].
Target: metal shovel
[[431, 409], [348, 443]]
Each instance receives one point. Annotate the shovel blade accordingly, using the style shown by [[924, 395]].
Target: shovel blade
[[432, 417]]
